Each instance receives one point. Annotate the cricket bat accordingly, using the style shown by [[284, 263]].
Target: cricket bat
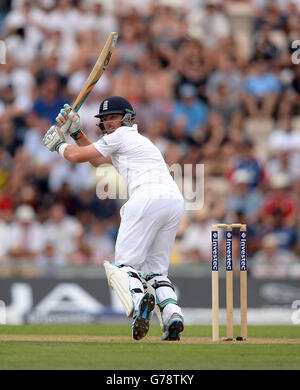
[[97, 71]]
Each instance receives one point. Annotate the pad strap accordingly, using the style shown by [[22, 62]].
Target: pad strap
[[137, 290], [158, 284], [163, 283], [149, 277], [134, 275], [164, 303]]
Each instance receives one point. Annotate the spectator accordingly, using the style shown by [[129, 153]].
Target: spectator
[[84, 52], [155, 129], [280, 204], [69, 199], [264, 47], [48, 261], [24, 31], [9, 137], [49, 101], [284, 162], [246, 159], [285, 137], [64, 18], [33, 140], [261, 90], [77, 177], [193, 110], [194, 244], [167, 27], [193, 65], [226, 75], [229, 111], [271, 262], [104, 210], [270, 13], [66, 235], [26, 238], [127, 82], [100, 19], [21, 82], [290, 102], [101, 243], [209, 25], [11, 107], [242, 199], [213, 144], [130, 47], [157, 79], [286, 235], [149, 109]]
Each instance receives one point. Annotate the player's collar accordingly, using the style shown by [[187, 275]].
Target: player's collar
[[132, 128]]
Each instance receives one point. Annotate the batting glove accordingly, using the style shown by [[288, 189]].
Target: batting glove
[[69, 121], [54, 138]]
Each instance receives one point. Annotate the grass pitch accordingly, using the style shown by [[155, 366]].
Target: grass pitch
[[110, 347]]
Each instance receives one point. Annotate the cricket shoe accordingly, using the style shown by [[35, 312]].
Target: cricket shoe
[[175, 327], [140, 324]]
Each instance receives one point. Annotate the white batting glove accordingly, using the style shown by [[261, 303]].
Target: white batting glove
[[69, 121], [54, 138]]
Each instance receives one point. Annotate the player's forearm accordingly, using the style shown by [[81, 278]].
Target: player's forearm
[[80, 154], [75, 154], [84, 141]]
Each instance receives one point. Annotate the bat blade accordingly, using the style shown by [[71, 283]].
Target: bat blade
[[97, 71]]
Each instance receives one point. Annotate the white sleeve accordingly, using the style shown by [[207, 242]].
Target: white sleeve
[[110, 143]]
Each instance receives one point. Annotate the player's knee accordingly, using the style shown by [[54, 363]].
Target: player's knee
[[164, 290]]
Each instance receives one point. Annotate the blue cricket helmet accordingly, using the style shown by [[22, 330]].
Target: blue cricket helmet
[[116, 105]]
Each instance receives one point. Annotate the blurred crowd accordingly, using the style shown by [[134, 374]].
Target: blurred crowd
[[202, 94]]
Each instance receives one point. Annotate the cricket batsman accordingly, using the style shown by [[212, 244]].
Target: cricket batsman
[[149, 219]]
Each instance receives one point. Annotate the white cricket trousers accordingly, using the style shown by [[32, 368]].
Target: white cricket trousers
[[149, 223]]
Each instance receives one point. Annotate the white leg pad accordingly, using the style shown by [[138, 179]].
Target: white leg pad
[[151, 290], [119, 282]]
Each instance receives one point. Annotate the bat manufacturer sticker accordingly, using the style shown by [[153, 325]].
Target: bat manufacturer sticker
[[107, 59]]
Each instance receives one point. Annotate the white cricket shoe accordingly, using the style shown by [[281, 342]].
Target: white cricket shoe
[[174, 328]]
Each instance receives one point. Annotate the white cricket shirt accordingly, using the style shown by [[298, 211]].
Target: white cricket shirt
[[136, 159]]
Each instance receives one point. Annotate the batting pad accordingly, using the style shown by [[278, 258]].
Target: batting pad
[[119, 282], [158, 313]]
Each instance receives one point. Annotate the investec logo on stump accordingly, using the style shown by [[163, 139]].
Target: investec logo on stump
[[214, 251], [243, 251], [229, 251]]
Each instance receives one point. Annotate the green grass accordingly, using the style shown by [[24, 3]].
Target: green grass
[[146, 355]]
